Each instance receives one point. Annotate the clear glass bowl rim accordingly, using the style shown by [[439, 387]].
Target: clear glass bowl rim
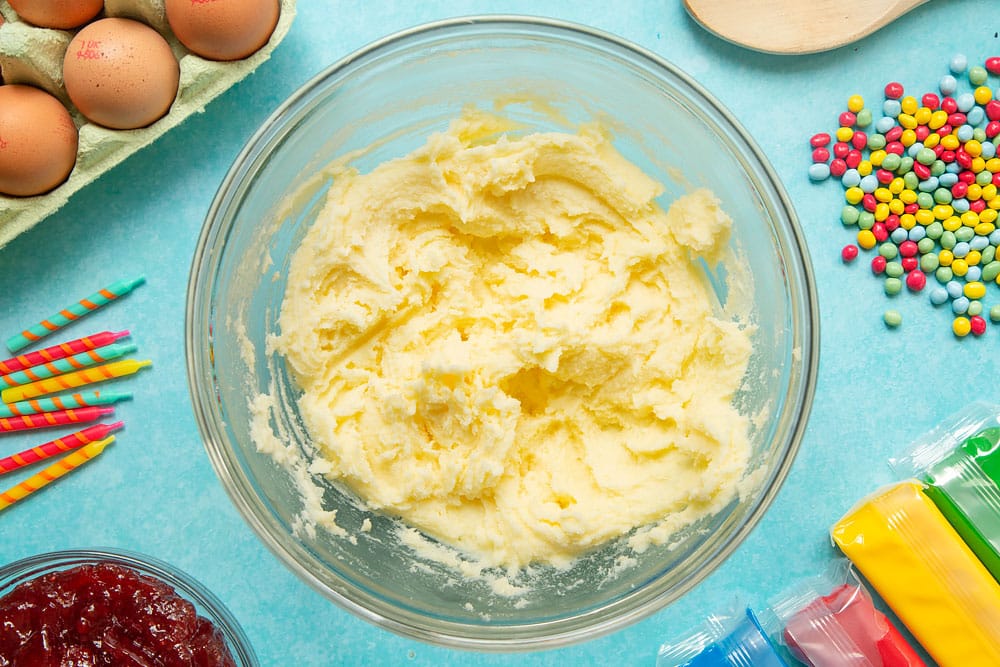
[[31, 567], [199, 312]]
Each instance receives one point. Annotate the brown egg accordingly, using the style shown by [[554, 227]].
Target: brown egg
[[223, 29], [38, 141], [120, 73], [60, 14]]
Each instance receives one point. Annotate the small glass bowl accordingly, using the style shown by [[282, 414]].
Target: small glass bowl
[[381, 103], [205, 602]]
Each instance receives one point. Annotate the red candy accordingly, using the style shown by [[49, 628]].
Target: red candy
[[949, 105], [821, 155], [893, 90], [993, 65], [849, 253], [992, 128], [909, 263], [977, 206], [996, 179], [922, 132], [911, 208], [820, 139], [838, 167], [930, 100], [841, 149], [963, 159], [859, 140], [916, 280], [869, 202], [884, 176], [848, 119], [967, 177], [894, 134], [853, 158], [878, 264], [895, 147], [880, 232], [922, 171], [938, 150], [956, 119], [908, 249], [947, 156], [959, 189], [944, 130], [978, 325], [892, 223], [993, 109]]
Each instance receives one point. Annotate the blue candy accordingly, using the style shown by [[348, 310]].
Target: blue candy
[[973, 274], [884, 124], [965, 102], [954, 288], [947, 179], [939, 295], [978, 242], [891, 108], [961, 249], [960, 305], [899, 235], [964, 132], [975, 116], [958, 63], [917, 233], [869, 183], [948, 84], [819, 171], [851, 178]]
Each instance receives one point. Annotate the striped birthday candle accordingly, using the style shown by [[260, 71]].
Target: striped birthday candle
[[72, 380], [53, 472], [50, 419], [68, 364], [72, 313], [62, 402], [57, 446], [60, 351]]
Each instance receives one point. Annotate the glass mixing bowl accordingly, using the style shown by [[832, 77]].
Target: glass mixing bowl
[[386, 99], [205, 602]]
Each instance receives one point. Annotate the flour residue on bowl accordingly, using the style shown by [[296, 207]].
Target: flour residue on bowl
[[507, 343]]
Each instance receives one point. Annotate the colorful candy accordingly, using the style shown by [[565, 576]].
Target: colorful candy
[[53, 472], [57, 446], [71, 380], [72, 313], [50, 419], [923, 188], [65, 402]]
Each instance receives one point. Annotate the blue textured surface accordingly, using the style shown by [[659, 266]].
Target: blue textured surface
[[155, 491]]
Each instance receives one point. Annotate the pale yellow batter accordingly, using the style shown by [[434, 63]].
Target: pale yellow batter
[[506, 342]]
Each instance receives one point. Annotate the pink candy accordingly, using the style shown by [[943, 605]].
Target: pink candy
[[916, 280], [993, 65], [978, 325], [849, 253], [818, 140], [893, 90]]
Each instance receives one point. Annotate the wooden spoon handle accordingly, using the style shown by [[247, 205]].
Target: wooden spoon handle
[[796, 26]]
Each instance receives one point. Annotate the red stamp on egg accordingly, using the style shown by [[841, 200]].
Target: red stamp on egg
[[89, 50]]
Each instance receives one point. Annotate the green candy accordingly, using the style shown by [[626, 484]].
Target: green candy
[[866, 220], [984, 178], [938, 167], [906, 165], [893, 269], [891, 161], [864, 119], [975, 308], [934, 230], [888, 250], [987, 255], [876, 142], [926, 245], [979, 134], [929, 263], [964, 234], [925, 200], [849, 215], [995, 313], [948, 240], [977, 75], [991, 271], [926, 157], [893, 286], [943, 274], [910, 180], [892, 318], [942, 196]]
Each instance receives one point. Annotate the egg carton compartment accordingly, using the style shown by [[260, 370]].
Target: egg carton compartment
[[34, 56]]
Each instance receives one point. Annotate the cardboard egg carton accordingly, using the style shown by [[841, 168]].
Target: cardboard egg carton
[[34, 56]]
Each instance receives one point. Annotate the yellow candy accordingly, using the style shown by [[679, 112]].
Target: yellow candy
[[993, 165], [938, 119], [969, 219], [973, 148], [975, 290], [994, 203], [866, 239], [986, 228], [988, 215], [844, 134], [864, 167], [922, 116], [952, 224], [908, 196], [856, 103], [908, 138], [989, 191], [950, 142], [854, 195], [883, 195], [907, 121], [932, 140], [909, 105], [907, 221], [897, 207], [897, 185], [983, 94], [961, 326], [945, 257], [959, 267], [881, 211], [876, 157], [978, 164], [924, 216], [942, 211], [973, 257], [974, 192]]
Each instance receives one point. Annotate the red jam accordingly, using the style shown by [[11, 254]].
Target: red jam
[[105, 614]]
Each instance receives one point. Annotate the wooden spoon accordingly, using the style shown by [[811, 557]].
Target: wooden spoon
[[796, 26]]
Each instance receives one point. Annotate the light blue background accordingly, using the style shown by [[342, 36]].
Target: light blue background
[[155, 492]]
